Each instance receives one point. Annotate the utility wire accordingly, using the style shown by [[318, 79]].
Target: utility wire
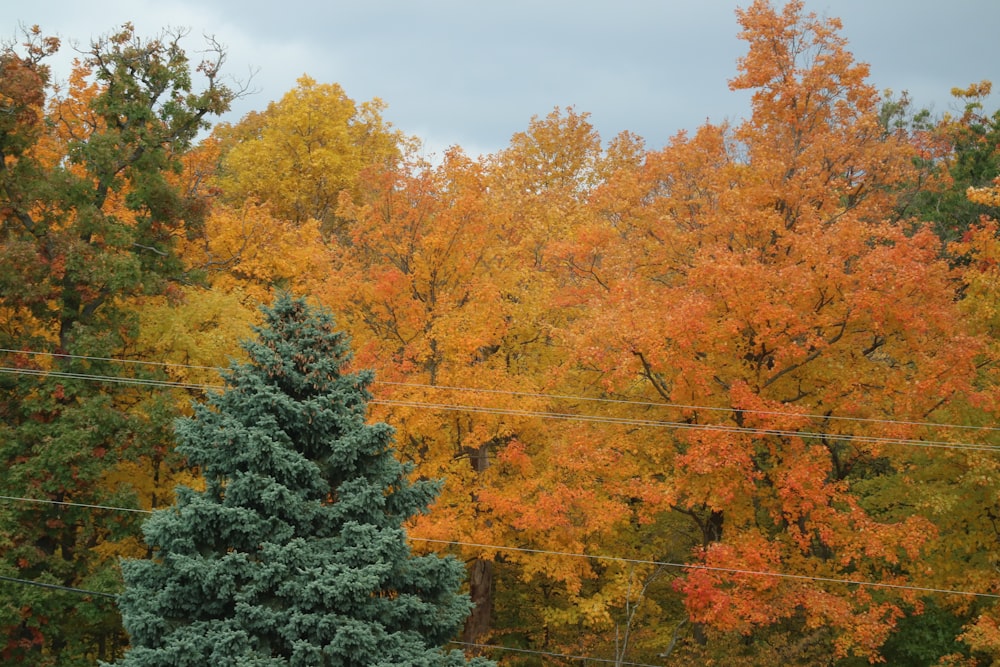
[[615, 559], [720, 428], [69, 504], [563, 397], [106, 378], [68, 589], [82, 591], [551, 654], [713, 568], [60, 355], [684, 406]]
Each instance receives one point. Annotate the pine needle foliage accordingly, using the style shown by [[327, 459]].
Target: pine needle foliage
[[295, 552]]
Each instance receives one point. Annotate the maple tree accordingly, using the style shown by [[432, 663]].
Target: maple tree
[[413, 285], [759, 272], [234, 258], [303, 150], [88, 222], [446, 279], [251, 251]]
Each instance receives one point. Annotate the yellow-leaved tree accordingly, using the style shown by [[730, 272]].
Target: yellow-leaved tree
[[300, 153]]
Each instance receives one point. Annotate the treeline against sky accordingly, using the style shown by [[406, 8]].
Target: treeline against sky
[[732, 399]]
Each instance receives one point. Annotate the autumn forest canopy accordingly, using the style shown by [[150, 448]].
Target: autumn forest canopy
[[731, 401]]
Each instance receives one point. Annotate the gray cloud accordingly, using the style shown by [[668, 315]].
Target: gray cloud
[[473, 73]]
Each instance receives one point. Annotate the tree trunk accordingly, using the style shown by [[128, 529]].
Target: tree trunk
[[481, 592], [478, 625]]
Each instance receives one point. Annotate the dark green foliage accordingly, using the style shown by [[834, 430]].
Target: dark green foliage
[[57, 440], [957, 153], [294, 554], [922, 639], [70, 260]]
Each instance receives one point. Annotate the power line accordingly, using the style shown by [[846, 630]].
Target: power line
[[600, 419], [69, 504], [60, 355], [684, 406], [564, 397], [106, 378], [713, 568], [615, 559], [83, 591], [67, 589], [721, 428], [551, 654]]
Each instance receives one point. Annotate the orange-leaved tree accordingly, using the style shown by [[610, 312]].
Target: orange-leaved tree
[[414, 282], [446, 279], [754, 280]]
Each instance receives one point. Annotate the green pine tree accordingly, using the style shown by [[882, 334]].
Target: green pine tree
[[295, 552]]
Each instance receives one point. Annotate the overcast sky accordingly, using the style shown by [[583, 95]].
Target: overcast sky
[[472, 73]]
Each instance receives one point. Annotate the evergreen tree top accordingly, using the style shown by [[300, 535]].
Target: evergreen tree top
[[295, 552]]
